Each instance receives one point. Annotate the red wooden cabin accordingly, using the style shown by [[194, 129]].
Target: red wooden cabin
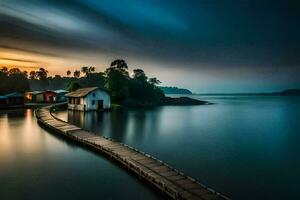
[[50, 97]]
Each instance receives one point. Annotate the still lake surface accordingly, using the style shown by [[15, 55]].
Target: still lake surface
[[246, 147]]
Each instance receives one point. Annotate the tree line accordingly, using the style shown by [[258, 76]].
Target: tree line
[[13, 80], [137, 89]]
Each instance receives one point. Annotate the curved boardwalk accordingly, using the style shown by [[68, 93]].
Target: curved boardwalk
[[167, 179]]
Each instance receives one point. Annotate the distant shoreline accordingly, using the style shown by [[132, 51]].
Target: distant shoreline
[[290, 92], [244, 94]]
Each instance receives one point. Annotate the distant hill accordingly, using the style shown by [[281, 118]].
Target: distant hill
[[290, 92], [175, 90]]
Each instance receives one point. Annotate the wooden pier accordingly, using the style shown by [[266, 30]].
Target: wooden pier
[[168, 180]]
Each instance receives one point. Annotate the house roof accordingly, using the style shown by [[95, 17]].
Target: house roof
[[36, 92], [14, 94], [81, 92], [60, 91], [50, 91]]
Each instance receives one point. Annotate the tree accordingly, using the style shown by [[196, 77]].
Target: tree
[[154, 81], [76, 74], [4, 80], [117, 78], [143, 91], [4, 69], [139, 74], [14, 70], [87, 70], [93, 80], [73, 85], [32, 75], [42, 74], [25, 74], [13, 80], [18, 82], [120, 64], [68, 73], [91, 69]]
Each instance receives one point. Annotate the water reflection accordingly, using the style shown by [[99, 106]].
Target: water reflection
[[238, 143], [122, 125], [35, 164], [16, 134]]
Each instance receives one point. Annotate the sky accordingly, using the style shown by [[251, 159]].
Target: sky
[[208, 46]]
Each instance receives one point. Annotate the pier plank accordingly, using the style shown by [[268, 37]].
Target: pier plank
[[169, 173], [176, 177], [171, 182]]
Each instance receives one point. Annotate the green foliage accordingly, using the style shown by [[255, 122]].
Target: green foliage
[[93, 80], [144, 92], [134, 91], [158, 95], [117, 82], [13, 80], [154, 81], [139, 75], [73, 85], [119, 64]]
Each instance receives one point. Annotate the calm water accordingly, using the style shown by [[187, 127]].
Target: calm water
[[36, 165], [244, 146]]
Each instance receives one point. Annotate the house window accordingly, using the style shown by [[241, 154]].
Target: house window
[[93, 102], [94, 94]]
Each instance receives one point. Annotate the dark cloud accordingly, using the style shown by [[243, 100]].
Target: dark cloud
[[189, 34]]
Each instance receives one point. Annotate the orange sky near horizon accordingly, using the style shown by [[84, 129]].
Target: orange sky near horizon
[[62, 61], [21, 59], [31, 61]]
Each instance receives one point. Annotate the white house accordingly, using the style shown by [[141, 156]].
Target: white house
[[87, 99]]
